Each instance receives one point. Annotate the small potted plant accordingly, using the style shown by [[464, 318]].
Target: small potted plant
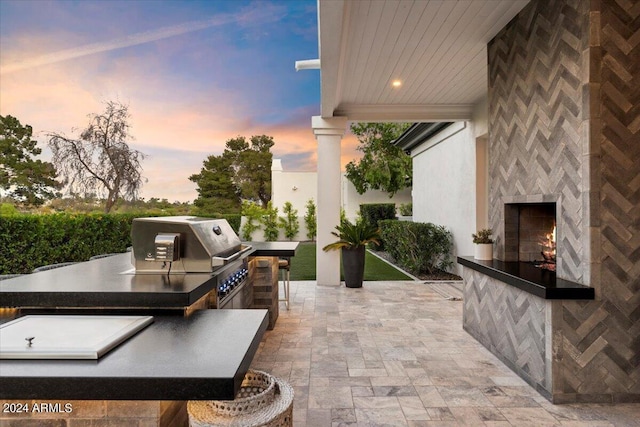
[[484, 244], [353, 239]]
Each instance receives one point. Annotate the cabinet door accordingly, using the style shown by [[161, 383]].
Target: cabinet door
[[237, 300]]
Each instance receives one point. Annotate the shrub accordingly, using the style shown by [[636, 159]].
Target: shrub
[[406, 209], [311, 220], [374, 212], [253, 213], [30, 241], [418, 247], [289, 223], [7, 209], [270, 221]]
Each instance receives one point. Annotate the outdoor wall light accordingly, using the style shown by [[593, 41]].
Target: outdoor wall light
[[294, 188]]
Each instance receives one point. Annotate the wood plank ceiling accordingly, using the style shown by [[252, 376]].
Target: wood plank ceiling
[[436, 48]]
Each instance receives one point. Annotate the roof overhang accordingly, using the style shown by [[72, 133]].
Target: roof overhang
[[417, 134], [436, 49]]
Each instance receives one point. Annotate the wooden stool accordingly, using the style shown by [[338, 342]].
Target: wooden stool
[[284, 266]]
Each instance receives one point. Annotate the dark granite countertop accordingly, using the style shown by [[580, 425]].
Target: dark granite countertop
[[531, 279], [204, 356], [278, 249], [105, 282]]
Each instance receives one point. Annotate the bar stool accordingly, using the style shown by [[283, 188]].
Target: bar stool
[[284, 266]]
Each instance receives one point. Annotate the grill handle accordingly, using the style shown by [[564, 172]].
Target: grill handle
[[217, 261]]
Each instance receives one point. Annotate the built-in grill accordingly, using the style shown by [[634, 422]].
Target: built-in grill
[[183, 244]]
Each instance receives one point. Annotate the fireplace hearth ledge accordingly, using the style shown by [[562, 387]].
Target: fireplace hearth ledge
[[528, 278]]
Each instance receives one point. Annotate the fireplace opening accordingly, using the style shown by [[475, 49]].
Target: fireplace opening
[[530, 233]]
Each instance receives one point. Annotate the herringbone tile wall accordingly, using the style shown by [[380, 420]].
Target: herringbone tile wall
[[496, 314], [564, 122], [537, 82], [605, 334]]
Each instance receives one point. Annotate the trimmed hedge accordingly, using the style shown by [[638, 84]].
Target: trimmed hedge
[[234, 221], [373, 213], [418, 247], [28, 241]]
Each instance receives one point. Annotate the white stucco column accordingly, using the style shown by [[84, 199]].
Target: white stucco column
[[328, 132]]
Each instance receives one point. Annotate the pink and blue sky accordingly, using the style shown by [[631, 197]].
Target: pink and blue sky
[[194, 74]]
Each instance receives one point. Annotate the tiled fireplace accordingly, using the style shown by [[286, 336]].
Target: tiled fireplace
[[563, 113]]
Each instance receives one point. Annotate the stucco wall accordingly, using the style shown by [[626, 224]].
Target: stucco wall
[[294, 187], [299, 187], [444, 172], [351, 200]]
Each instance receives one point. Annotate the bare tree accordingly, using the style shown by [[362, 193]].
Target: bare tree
[[101, 161]]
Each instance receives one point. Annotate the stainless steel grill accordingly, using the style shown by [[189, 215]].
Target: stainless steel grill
[[183, 244]]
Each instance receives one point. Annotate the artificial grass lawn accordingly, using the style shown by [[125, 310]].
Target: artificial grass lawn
[[303, 266]]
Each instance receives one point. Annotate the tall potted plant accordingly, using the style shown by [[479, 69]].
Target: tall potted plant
[[352, 240], [484, 244]]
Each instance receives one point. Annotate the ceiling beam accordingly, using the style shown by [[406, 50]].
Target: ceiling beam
[[405, 113], [331, 46]]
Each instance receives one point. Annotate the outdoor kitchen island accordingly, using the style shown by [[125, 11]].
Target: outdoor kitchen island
[[185, 354], [188, 353], [264, 272]]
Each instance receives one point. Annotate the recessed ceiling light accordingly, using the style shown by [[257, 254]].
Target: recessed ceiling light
[[396, 83]]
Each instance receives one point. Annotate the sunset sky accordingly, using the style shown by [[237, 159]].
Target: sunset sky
[[194, 74]]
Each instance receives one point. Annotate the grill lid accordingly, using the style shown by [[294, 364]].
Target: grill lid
[[183, 244]]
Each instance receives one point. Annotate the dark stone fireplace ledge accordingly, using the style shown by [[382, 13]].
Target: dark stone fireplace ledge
[[531, 279]]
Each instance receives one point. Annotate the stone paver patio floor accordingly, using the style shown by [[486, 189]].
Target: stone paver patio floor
[[395, 354]]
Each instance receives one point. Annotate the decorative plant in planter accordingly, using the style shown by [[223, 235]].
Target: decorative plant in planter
[[353, 239], [484, 244]]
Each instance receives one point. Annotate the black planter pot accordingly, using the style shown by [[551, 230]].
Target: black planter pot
[[353, 265]]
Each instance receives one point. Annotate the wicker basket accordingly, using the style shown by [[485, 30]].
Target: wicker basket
[[263, 401]]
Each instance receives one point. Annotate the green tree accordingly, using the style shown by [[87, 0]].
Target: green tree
[[311, 220], [26, 180], [75, 203], [383, 166], [100, 160], [217, 192], [241, 172], [253, 214], [251, 163], [289, 222], [270, 222]]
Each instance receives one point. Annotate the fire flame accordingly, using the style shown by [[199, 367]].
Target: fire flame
[[549, 247], [551, 238]]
